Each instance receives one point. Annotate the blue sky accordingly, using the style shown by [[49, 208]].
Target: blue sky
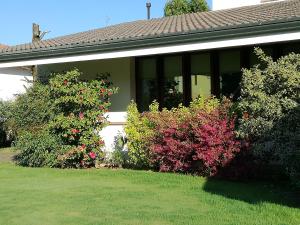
[[63, 17]]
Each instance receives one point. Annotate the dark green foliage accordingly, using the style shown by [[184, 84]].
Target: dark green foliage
[[37, 149], [270, 101], [179, 7], [32, 110], [5, 115], [198, 6]]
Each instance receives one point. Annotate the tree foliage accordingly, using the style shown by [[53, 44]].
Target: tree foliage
[[179, 7], [270, 101]]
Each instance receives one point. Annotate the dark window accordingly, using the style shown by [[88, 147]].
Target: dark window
[[291, 47], [173, 81], [200, 75], [147, 88], [230, 73]]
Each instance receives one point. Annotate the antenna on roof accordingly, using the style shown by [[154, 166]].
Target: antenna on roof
[[37, 35], [148, 5], [107, 19]]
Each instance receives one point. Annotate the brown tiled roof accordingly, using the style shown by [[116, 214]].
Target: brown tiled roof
[[168, 26], [3, 46]]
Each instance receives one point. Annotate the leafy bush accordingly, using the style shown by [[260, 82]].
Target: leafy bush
[[37, 149], [79, 116], [139, 131], [270, 98], [119, 156], [31, 110], [197, 139], [200, 142], [5, 131]]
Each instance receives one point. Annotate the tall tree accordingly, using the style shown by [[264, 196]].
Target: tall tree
[[198, 6], [178, 7]]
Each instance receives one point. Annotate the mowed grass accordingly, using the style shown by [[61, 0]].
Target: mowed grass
[[53, 196]]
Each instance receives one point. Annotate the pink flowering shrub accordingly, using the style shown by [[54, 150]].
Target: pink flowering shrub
[[80, 107], [197, 141]]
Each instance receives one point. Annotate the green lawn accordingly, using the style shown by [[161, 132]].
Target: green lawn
[[52, 196]]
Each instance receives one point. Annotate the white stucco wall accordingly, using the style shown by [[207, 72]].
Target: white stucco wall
[[227, 4], [122, 76], [121, 71], [13, 82]]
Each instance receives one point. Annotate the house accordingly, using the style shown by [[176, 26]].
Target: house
[[172, 59], [13, 80]]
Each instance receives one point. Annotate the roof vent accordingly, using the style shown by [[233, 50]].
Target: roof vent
[[148, 5]]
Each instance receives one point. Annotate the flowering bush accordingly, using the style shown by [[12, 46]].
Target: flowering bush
[[80, 107], [197, 139], [200, 142]]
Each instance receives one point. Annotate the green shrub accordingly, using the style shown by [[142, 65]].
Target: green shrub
[[270, 98], [79, 116], [32, 110], [37, 149], [139, 131], [5, 115], [142, 128], [119, 157]]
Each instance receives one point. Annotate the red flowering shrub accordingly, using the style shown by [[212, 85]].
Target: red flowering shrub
[[80, 107], [201, 141]]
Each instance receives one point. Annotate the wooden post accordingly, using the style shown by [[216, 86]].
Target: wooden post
[[36, 36]]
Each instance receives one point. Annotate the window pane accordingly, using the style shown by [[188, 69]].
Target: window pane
[[147, 83], [291, 47], [200, 75], [173, 83], [230, 72]]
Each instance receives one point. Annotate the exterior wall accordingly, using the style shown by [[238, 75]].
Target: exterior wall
[[122, 73], [227, 4], [13, 82]]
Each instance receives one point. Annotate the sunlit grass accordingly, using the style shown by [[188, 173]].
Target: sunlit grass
[[53, 196]]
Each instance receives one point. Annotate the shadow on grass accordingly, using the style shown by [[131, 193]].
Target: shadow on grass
[[254, 192]]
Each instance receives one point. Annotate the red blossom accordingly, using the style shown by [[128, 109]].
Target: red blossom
[[82, 147], [65, 82], [81, 115], [92, 155], [100, 142], [75, 131]]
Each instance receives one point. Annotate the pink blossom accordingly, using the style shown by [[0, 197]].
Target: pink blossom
[[83, 146], [75, 131], [81, 115], [92, 155]]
